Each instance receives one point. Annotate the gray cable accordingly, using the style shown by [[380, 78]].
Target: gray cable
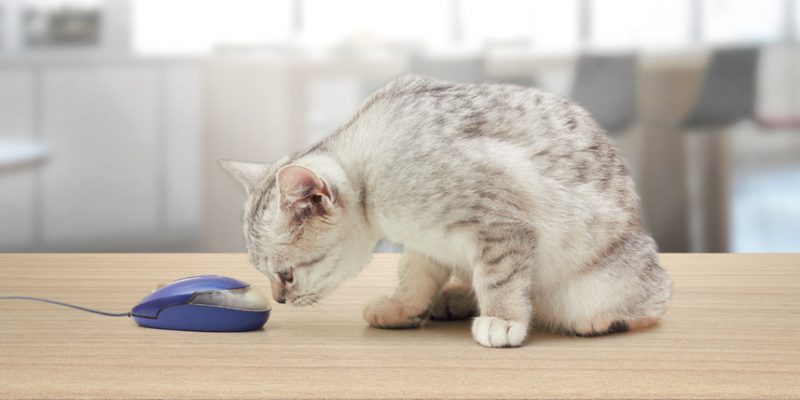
[[126, 314]]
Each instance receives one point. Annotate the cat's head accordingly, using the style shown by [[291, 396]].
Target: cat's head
[[302, 225]]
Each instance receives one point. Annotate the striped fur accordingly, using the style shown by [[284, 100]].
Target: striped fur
[[511, 204]]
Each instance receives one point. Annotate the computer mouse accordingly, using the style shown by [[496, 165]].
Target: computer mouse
[[207, 303]]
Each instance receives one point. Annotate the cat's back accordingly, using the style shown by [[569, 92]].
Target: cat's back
[[523, 151], [436, 110], [463, 121], [440, 152]]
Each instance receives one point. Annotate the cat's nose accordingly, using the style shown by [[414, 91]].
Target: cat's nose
[[280, 296], [279, 292]]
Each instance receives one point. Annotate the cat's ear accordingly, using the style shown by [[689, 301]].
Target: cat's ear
[[246, 173], [303, 190]]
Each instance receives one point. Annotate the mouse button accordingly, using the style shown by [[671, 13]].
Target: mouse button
[[151, 305], [189, 317], [202, 283], [246, 299]]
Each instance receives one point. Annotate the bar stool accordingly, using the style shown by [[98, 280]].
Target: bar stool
[[607, 87], [727, 97]]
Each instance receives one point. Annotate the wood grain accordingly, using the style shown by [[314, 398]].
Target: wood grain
[[732, 332]]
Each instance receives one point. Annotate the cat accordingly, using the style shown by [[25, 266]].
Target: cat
[[511, 204]]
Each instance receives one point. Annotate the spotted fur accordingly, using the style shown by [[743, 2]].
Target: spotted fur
[[510, 191]]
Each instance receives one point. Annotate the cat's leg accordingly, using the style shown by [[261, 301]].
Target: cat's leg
[[420, 280], [456, 301], [502, 279], [623, 289]]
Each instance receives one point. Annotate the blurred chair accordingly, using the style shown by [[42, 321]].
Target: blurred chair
[[727, 97], [729, 89], [607, 87]]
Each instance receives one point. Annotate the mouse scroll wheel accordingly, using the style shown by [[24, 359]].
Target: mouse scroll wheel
[[247, 299]]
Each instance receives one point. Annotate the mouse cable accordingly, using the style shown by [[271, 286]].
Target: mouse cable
[[108, 314]]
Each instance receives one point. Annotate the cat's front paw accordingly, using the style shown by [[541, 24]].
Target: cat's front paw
[[497, 332], [390, 313]]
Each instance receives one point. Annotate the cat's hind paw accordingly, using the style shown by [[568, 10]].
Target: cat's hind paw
[[453, 303], [390, 313], [497, 332]]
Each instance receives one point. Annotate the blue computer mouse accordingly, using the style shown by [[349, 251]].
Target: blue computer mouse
[[207, 303]]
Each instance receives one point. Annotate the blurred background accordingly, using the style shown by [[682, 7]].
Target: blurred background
[[113, 112]]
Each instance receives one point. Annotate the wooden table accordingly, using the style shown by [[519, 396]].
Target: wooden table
[[733, 332]]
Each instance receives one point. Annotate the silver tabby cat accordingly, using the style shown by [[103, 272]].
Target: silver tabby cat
[[511, 203]]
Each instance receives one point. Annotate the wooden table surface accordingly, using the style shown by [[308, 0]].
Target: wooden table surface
[[733, 332]]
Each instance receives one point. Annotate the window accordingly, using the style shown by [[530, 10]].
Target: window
[[555, 25], [796, 20], [181, 27], [328, 22], [497, 21], [632, 23], [726, 21]]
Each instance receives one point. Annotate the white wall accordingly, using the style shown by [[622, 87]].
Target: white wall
[[125, 144]]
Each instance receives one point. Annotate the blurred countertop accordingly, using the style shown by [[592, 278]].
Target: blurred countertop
[[79, 58], [15, 153], [498, 58]]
